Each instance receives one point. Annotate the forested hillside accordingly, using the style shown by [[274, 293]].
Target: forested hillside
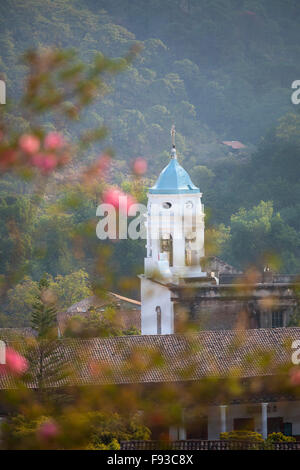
[[221, 70], [217, 69]]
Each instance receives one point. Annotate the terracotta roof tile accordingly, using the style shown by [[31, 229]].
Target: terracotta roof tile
[[163, 358], [235, 144], [128, 311]]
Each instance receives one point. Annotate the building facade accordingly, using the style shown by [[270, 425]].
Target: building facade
[[180, 285], [179, 288]]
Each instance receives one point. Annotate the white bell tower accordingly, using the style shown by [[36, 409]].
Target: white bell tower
[[175, 243]]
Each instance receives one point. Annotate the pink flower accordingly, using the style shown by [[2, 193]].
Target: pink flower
[[15, 363], [37, 160], [295, 376], [140, 166], [48, 430], [29, 143], [44, 161], [50, 162], [111, 196], [126, 202], [7, 158], [118, 199], [54, 141]]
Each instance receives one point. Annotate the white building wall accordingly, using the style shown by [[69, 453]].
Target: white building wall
[[179, 222], [289, 411], [154, 295], [184, 217]]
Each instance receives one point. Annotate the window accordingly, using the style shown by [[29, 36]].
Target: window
[[243, 424], [196, 427], [166, 246], [275, 425], [167, 205], [188, 253], [191, 255], [158, 319], [277, 319]]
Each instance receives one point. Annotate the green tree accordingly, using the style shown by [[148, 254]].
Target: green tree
[[259, 237], [43, 318], [71, 288], [19, 302], [43, 354], [94, 324], [16, 213]]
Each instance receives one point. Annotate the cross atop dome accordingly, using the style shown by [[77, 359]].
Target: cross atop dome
[[173, 133]]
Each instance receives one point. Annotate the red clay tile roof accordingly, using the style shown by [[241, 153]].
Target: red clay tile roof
[[128, 313], [167, 358], [97, 302], [235, 144], [14, 334]]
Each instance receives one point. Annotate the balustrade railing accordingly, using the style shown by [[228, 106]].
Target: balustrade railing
[[198, 444]]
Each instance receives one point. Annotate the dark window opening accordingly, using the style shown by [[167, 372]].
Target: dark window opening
[[275, 425], [166, 246], [277, 319], [243, 424], [197, 428], [288, 429]]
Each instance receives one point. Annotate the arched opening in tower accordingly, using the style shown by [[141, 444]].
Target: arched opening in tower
[[166, 246]]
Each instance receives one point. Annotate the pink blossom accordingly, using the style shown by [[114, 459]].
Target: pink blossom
[[54, 141], [48, 430], [118, 199], [50, 162], [140, 166], [126, 202], [29, 143], [7, 158], [37, 160], [111, 196], [295, 376], [44, 161], [15, 363]]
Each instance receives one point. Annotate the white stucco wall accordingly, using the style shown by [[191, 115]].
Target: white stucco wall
[[177, 221], [289, 411], [155, 295]]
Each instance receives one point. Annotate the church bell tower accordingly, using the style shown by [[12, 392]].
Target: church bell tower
[[175, 243]]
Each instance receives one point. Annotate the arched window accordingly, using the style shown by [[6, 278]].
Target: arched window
[[158, 319], [166, 246], [190, 252]]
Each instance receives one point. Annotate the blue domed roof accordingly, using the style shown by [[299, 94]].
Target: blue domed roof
[[174, 180]]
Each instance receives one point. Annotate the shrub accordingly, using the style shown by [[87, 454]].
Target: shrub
[[280, 437], [241, 436]]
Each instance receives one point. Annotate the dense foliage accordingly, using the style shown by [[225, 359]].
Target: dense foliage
[[220, 70]]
